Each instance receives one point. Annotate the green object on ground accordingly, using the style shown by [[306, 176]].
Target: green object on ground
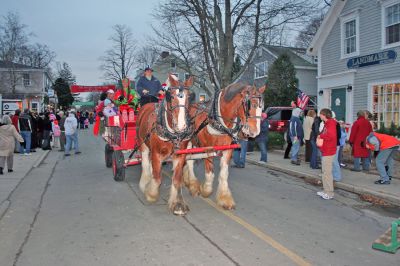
[[389, 241]]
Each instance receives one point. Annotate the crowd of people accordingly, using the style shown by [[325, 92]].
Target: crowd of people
[[25, 132], [325, 138]]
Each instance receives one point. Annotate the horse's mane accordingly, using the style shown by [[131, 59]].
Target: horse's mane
[[232, 90]]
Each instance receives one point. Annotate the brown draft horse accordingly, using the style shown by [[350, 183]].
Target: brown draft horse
[[163, 128], [236, 104]]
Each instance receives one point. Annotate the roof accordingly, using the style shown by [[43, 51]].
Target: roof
[[326, 26], [294, 54], [4, 64]]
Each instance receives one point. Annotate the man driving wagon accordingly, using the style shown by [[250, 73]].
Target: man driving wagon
[[149, 87]]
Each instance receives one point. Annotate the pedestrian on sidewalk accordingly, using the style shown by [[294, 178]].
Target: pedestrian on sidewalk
[[25, 129], [8, 136], [55, 128], [40, 130], [359, 133], [336, 170], [387, 146], [14, 120], [307, 128], [288, 144], [296, 135], [343, 137], [47, 129], [327, 141], [71, 133], [262, 138], [34, 131], [315, 153], [239, 155], [62, 129]]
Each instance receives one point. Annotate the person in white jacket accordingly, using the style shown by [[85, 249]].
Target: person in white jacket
[[71, 133]]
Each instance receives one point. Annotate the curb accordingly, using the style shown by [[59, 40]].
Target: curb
[[315, 179], [41, 159]]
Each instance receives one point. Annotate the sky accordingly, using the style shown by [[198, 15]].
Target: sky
[[78, 30]]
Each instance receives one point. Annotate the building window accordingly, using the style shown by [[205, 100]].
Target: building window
[[26, 79], [35, 107], [392, 24], [261, 70], [173, 63], [350, 36], [386, 104]]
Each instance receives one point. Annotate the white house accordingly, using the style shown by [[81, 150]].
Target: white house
[[358, 67], [31, 86]]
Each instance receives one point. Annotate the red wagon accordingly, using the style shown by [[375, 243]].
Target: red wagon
[[120, 137]]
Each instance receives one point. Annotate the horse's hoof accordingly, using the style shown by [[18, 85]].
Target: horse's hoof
[[205, 192], [194, 188], [151, 198], [226, 202], [152, 191], [180, 209]]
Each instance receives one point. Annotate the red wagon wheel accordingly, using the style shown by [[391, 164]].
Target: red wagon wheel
[[108, 155], [118, 167]]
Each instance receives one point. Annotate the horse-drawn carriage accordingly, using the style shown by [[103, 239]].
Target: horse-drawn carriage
[[177, 131]]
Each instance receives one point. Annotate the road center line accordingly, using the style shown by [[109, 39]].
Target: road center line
[[257, 232]]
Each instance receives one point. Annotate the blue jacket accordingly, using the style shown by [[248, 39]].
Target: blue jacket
[[263, 136], [296, 128], [153, 86]]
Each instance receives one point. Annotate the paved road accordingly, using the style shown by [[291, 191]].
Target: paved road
[[69, 211]]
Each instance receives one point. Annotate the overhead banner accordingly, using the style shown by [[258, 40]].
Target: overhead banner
[[80, 88], [87, 96]]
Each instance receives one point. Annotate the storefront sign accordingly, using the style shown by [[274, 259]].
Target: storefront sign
[[9, 106], [372, 59], [50, 93]]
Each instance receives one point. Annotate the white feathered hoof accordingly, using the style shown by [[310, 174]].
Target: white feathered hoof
[[225, 200], [152, 191]]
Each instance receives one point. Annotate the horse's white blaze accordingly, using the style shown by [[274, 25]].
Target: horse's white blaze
[[181, 114], [146, 168]]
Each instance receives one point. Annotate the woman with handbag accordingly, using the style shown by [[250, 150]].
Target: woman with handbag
[[327, 142], [8, 135]]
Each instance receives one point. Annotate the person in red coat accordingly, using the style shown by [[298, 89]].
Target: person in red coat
[[359, 132], [387, 146], [328, 137]]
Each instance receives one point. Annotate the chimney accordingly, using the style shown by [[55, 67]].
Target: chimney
[[164, 54]]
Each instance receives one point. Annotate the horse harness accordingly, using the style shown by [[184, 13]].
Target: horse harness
[[215, 120]]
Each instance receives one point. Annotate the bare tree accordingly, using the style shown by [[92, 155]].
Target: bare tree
[[146, 55], [13, 37], [37, 55], [217, 26], [118, 61], [307, 34]]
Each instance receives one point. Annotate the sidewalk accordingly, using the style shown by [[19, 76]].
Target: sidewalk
[[355, 182], [22, 166]]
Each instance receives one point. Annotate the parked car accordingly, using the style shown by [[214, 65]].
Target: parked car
[[279, 117]]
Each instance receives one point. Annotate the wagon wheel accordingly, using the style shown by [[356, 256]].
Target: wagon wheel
[[108, 155], [118, 166]]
